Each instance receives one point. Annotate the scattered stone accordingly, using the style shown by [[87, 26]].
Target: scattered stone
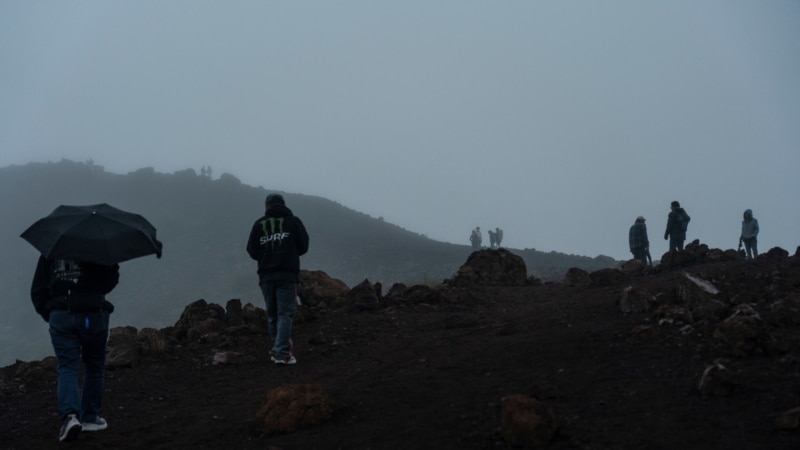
[[789, 420], [716, 381], [635, 300], [288, 408], [577, 277], [527, 421]]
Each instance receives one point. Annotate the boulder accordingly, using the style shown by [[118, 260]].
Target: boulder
[[491, 267], [317, 289], [363, 296], [743, 331], [608, 277], [636, 299], [789, 420], [577, 277], [288, 408], [526, 421], [716, 381], [122, 350]]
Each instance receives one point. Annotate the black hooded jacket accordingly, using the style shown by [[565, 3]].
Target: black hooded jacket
[[276, 241], [72, 285]]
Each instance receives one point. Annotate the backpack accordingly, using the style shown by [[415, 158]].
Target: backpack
[[683, 220]]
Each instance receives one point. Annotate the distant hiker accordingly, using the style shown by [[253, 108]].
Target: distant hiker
[[677, 224], [70, 296], [498, 236], [637, 240], [276, 241], [475, 238], [492, 239], [749, 234], [203, 171]]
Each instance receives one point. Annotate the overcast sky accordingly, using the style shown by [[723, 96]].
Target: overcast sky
[[559, 122]]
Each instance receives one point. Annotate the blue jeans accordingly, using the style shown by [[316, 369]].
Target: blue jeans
[[281, 306], [76, 337]]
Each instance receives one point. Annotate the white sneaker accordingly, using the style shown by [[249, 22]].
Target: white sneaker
[[70, 428], [285, 361], [97, 424]]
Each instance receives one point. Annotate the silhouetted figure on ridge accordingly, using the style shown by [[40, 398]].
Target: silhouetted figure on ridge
[[677, 224], [637, 240], [749, 234]]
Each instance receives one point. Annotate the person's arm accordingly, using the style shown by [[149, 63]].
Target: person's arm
[[40, 288], [301, 238], [254, 247]]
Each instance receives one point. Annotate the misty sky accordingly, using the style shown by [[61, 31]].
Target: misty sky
[[559, 122]]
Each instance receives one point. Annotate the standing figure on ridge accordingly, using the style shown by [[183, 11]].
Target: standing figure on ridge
[[276, 241], [492, 239], [677, 224], [637, 240], [498, 235], [749, 234], [475, 238]]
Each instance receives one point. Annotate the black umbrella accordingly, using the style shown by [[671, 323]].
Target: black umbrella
[[100, 234]]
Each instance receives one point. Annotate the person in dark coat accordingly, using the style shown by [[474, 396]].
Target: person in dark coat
[[749, 234], [276, 241], [70, 296], [677, 224], [637, 240]]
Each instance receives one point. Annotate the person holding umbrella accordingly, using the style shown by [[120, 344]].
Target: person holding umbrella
[[81, 247]]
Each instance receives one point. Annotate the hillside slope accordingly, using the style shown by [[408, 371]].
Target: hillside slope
[[204, 224], [433, 375]]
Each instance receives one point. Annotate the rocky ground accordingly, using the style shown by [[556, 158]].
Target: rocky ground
[[700, 352]]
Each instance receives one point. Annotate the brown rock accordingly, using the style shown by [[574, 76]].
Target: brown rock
[[288, 408], [317, 289], [527, 421], [491, 267], [363, 296], [789, 420], [635, 299], [577, 277]]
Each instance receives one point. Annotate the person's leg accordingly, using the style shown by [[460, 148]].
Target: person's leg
[[94, 336], [754, 245], [673, 244], [268, 290], [67, 347], [286, 305]]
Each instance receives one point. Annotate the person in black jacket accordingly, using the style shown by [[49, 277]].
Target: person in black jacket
[[276, 241], [70, 296], [677, 223]]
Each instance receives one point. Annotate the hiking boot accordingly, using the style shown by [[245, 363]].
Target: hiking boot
[[97, 424], [285, 361], [70, 428]]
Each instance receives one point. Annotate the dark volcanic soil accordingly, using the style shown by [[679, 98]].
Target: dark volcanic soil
[[432, 376]]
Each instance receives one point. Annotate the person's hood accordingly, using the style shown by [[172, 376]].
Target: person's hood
[[748, 214], [278, 211]]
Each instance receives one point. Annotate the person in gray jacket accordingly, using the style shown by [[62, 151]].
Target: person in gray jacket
[[749, 234]]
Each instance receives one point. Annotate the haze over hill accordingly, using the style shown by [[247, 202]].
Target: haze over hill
[[203, 223]]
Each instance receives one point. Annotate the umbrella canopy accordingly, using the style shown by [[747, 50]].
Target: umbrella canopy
[[99, 234]]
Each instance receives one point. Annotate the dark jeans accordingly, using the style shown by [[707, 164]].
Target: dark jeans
[[281, 307], [76, 337], [640, 254], [675, 243], [751, 246]]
